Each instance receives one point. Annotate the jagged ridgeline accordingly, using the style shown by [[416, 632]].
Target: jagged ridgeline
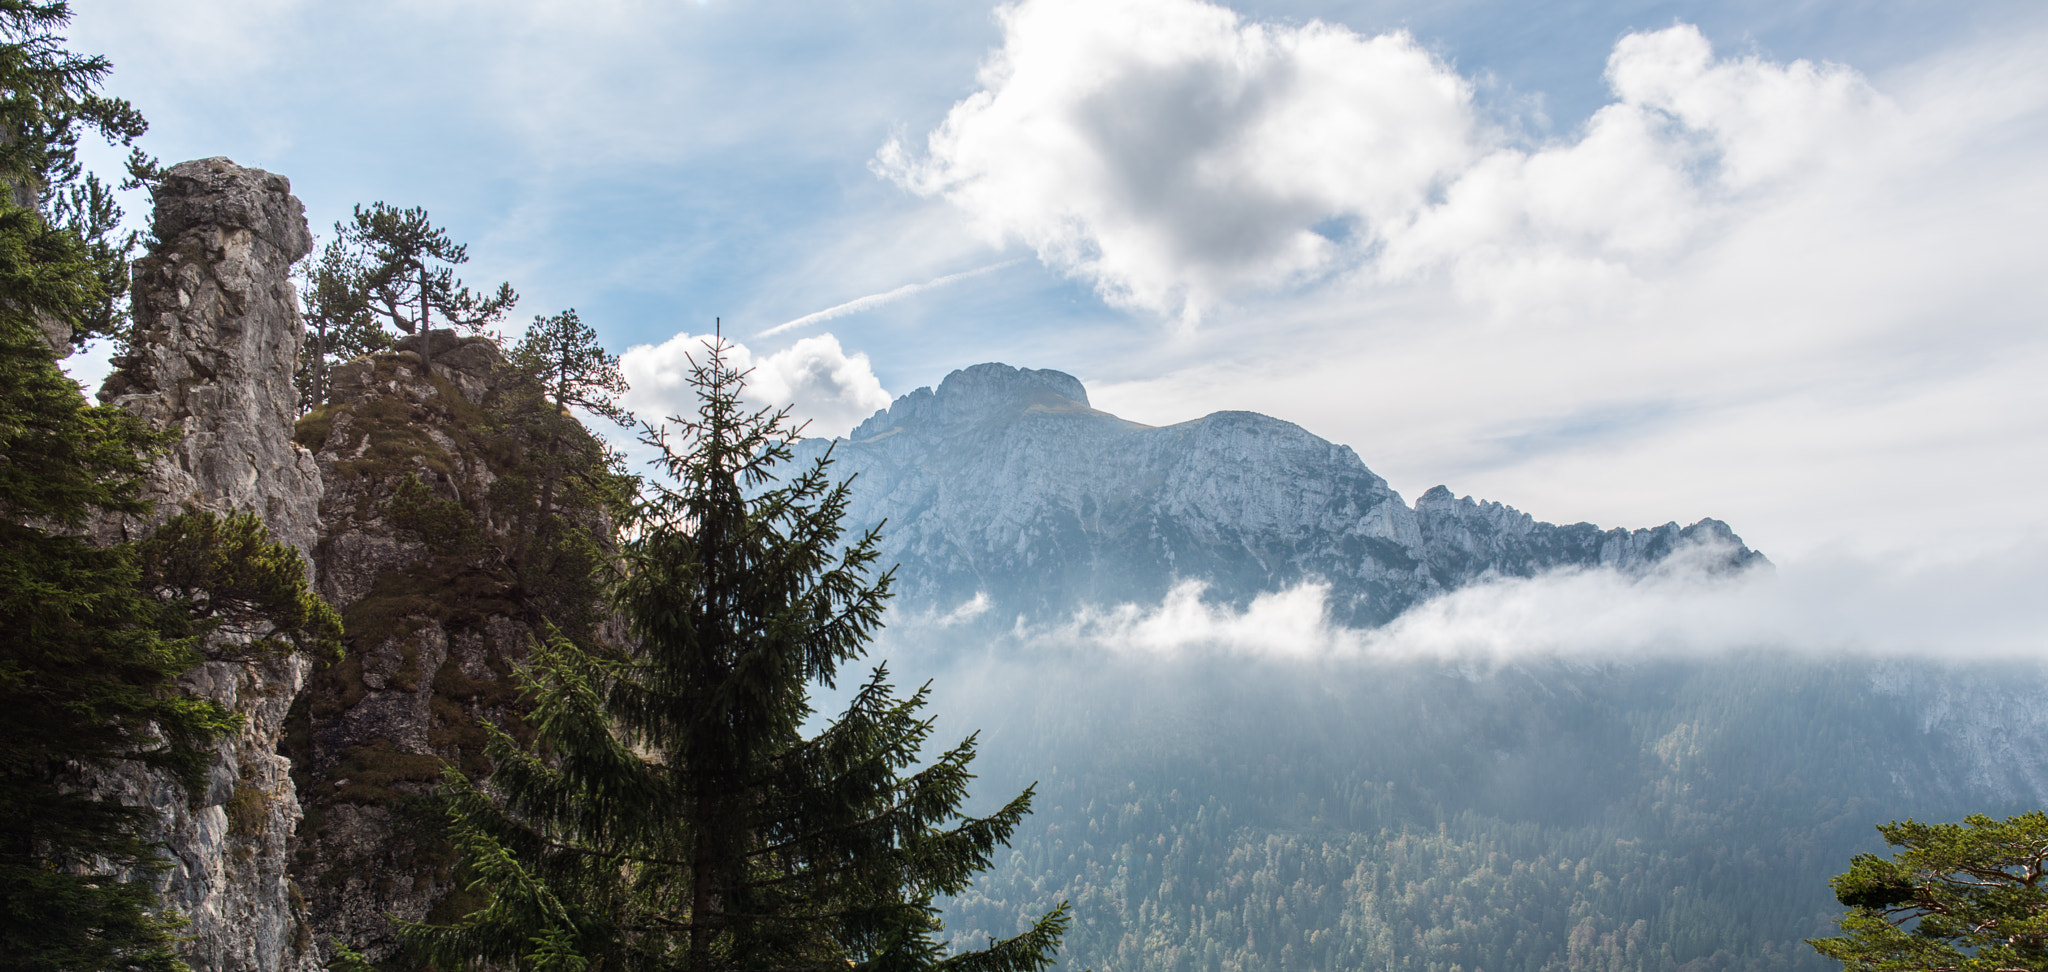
[[1004, 488], [434, 545]]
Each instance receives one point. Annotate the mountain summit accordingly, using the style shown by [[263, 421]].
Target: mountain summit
[[1005, 483]]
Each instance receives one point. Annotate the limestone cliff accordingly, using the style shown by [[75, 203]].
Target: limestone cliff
[[217, 337], [430, 548]]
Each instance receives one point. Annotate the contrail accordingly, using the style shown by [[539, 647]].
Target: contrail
[[871, 301]]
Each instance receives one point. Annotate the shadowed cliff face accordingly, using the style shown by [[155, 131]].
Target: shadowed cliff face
[[217, 338], [428, 545], [1004, 482]]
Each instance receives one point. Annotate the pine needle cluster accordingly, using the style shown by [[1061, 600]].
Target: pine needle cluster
[[1967, 897]]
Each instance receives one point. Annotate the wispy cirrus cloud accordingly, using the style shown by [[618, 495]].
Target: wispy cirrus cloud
[[883, 299]]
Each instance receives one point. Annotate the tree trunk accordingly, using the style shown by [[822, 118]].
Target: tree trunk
[[550, 471], [426, 329], [319, 390], [700, 896]]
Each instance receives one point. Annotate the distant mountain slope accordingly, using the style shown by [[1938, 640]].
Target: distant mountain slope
[[1657, 815], [1005, 482]]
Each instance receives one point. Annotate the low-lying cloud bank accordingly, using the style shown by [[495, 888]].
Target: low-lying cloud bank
[[1980, 609], [822, 384]]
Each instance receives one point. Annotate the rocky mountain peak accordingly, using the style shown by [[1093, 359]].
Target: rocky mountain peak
[[1004, 487], [215, 197], [983, 392], [995, 382]]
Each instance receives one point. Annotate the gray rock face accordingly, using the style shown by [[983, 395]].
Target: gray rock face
[[435, 626], [218, 336], [1005, 482]]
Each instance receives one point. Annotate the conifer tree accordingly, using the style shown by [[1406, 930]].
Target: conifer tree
[[670, 814], [1967, 897], [561, 353], [411, 276], [335, 302], [49, 98]]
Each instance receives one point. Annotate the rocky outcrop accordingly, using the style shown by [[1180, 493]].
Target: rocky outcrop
[[217, 338], [425, 524], [1004, 483]]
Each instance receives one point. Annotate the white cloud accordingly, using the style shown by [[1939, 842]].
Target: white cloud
[[1689, 145], [1977, 607], [1289, 623], [825, 386], [1800, 300], [1171, 153], [1176, 156]]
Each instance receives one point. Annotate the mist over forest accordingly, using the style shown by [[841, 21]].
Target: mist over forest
[[1221, 811]]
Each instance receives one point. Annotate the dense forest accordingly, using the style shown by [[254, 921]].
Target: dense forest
[[1247, 814]]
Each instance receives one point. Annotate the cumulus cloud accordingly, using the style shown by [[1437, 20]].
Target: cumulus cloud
[[1688, 140], [1778, 293], [823, 385], [1973, 608], [1170, 152], [1177, 155]]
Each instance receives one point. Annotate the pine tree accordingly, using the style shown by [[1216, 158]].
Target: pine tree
[[561, 353], [1968, 897], [335, 302], [670, 814], [411, 276]]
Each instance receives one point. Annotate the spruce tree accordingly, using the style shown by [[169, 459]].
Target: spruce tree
[[669, 813], [49, 99]]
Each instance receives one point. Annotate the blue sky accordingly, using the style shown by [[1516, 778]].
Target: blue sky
[[1774, 262]]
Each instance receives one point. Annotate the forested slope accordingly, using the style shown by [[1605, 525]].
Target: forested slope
[[1251, 814]]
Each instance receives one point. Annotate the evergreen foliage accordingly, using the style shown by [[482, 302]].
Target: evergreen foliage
[[335, 302], [564, 357], [93, 638], [561, 352], [1968, 897], [410, 276], [1544, 816], [49, 99], [671, 814]]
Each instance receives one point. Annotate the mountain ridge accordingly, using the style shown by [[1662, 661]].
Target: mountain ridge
[[998, 477]]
